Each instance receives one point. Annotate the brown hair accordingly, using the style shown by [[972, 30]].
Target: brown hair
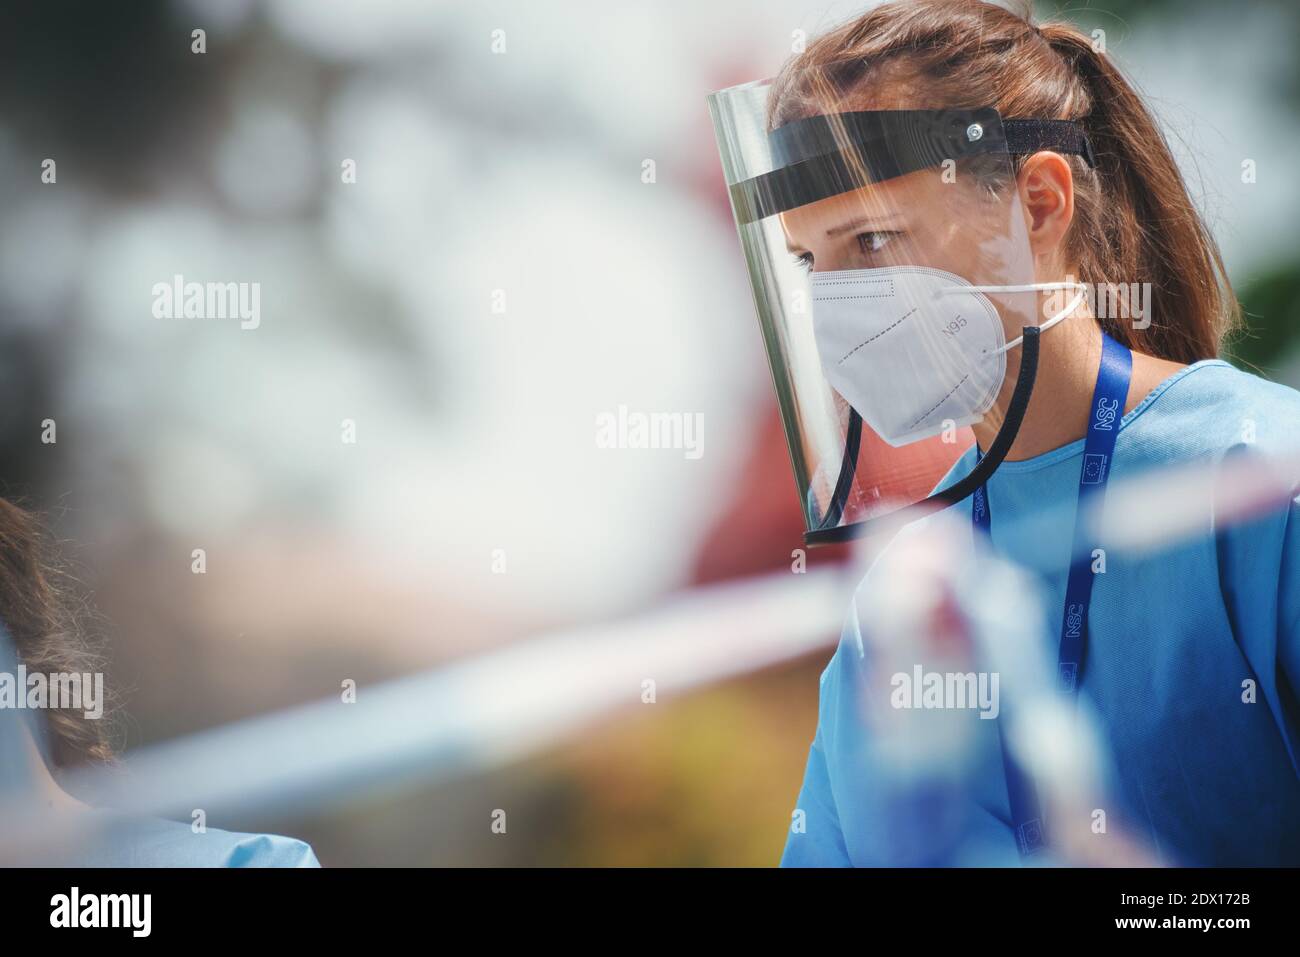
[[48, 630], [1134, 220]]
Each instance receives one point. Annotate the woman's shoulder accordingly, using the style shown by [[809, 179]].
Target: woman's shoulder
[[1212, 405], [156, 842], [266, 850], [1228, 383]]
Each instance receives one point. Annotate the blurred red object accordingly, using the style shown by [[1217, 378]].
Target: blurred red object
[[761, 527]]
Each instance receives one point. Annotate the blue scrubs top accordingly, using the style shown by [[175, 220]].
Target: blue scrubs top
[[1202, 777], [155, 842]]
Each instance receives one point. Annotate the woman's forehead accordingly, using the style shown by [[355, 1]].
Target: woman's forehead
[[877, 202]]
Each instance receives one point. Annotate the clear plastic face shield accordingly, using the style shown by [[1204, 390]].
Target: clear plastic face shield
[[892, 273]]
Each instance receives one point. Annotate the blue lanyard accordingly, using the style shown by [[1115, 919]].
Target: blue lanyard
[[1098, 449]]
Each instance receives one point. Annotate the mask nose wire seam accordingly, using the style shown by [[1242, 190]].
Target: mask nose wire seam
[[1082, 292]]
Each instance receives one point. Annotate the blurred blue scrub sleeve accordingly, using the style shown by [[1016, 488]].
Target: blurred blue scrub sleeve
[[155, 842], [858, 812], [1288, 620], [815, 838], [1264, 613]]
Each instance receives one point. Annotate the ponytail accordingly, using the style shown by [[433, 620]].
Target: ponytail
[[1140, 225]]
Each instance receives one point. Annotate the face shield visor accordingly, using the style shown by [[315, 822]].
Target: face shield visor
[[891, 268]]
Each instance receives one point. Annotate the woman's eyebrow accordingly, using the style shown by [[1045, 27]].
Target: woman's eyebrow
[[884, 219]]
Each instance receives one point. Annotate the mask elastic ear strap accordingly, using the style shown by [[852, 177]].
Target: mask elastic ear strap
[[1082, 289], [985, 467]]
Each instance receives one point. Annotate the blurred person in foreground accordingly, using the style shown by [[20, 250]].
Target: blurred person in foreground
[[48, 640]]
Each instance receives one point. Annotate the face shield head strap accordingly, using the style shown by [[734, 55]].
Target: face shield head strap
[[821, 156], [998, 449], [1060, 136]]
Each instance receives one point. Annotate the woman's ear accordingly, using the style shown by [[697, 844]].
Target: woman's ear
[[1047, 194]]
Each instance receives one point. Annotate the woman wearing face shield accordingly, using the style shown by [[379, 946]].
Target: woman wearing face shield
[[954, 184]]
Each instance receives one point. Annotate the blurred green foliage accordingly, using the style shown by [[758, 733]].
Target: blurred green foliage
[[705, 780], [1270, 332]]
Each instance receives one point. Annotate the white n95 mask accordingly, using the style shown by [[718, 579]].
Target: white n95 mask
[[914, 349]]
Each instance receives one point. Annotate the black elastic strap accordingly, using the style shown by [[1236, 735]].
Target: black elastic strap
[[1062, 136], [960, 489], [848, 468], [1001, 444]]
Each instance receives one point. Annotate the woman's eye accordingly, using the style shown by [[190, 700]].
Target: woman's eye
[[873, 242], [805, 260]]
